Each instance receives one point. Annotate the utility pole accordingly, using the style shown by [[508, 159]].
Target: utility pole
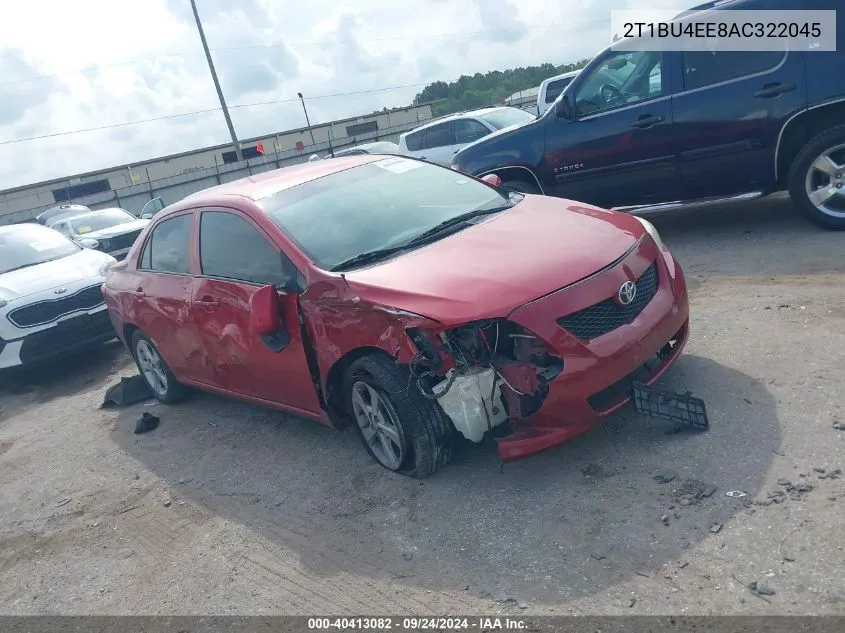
[[302, 99], [235, 141]]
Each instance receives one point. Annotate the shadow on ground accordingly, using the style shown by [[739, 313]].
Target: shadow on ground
[[569, 522]]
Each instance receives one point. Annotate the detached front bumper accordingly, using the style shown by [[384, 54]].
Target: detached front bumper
[[598, 373]]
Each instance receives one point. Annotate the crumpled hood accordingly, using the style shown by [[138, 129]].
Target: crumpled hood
[[502, 263], [117, 229], [76, 268]]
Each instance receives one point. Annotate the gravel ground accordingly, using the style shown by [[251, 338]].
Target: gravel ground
[[227, 508]]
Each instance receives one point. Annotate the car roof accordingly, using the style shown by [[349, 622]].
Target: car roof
[[21, 226], [270, 182], [459, 115]]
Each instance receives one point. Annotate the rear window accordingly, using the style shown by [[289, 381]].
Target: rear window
[[414, 141], [554, 88], [439, 135]]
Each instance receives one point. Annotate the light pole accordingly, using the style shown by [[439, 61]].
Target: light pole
[[235, 141], [302, 99]]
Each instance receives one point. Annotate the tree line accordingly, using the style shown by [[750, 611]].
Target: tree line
[[486, 89]]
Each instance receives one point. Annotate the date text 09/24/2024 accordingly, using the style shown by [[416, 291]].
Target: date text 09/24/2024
[[417, 623]]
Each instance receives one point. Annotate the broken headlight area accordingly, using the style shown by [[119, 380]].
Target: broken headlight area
[[483, 373]]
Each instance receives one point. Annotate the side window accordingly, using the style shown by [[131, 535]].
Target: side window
[[438, 135], [231, 248], [705, 68], [623, 79], [554, 88], [168, 248], [414, 141], [469, 130]]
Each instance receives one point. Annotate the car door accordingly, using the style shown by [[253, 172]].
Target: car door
[[467, 131], [161, 296], [437, 144], [616, 147], [729, 110], [237, 258]]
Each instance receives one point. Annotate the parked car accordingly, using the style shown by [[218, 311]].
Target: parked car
[[61, 211], [551, 88], [112, 230], [152, 207], [50, 299], [649, 131], [414, 302], [378, 147], [438, 140]]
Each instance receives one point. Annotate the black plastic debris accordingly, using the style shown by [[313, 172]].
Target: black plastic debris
[[147, 423], [682, 408], [128, 391]]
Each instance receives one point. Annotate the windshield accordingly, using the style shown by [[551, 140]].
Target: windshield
[[500, 119], [100, 220], [24, 246], [374, 206]]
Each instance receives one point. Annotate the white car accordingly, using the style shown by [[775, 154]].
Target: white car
[[112, 230], [50, 297], [551, 88], [438, 141]]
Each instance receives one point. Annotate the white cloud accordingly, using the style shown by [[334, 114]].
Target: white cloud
[[144, 60]]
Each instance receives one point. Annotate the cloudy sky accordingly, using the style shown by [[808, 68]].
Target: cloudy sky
[[75, 65]]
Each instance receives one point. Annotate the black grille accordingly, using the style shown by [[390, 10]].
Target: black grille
[[607, 315], [122, 241], [66, 336], [48, 311]]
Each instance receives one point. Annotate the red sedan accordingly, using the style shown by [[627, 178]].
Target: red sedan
[[414, 302]]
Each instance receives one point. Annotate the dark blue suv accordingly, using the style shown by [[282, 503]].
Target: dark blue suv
[[646, 130]]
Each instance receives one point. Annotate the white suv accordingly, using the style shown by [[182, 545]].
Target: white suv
[[439, 140], [50, 297], [551, 88]]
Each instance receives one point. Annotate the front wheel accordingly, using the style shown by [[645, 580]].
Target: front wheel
[[155, 371], [402, 430], [817, 179], [522, 186]]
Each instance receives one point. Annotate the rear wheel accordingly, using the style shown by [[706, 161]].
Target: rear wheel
[[817, 179], [155, 371], [522, 186], [402, 430]]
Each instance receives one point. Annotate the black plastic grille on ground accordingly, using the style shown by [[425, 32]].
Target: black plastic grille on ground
[[50, 310], [605, 316], [682, 408]]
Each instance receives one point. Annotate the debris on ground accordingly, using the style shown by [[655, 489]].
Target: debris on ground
[[784, 482], [128, 391], [833, 474], [598, 556], [407, 555], [665, 519], [736, 494], [761, 588], [62, 502], [716, 528], [147, 423], [632, 602], [692, 490], [839, 426], [665, 476], [596, 470], [166, 503]]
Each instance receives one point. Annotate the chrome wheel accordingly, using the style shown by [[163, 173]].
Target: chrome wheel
[[825, 182], [152, 367], [379, 425]]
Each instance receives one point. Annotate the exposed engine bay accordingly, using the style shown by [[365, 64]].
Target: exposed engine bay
[[484, 373]]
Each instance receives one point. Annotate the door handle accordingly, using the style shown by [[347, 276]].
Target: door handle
[[207, 302], [647, 120], [773, 90]]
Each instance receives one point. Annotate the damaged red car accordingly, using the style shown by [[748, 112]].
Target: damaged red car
[[408, 300]]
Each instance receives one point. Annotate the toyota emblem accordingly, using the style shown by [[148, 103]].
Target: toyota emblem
[[627, 292]]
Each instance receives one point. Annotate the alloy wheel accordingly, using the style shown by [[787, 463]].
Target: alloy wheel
[[152, 367], [379, 425], [825, 182]]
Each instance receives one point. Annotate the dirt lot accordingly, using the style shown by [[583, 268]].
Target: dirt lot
[[227, 508]]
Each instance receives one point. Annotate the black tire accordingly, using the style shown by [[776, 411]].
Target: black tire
[[799, 173], [522, 186], [426, 433], [173, 392]]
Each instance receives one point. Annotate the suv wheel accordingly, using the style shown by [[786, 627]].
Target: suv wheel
[[402, 430], [522, 186], [155, 371], [817, 179]]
